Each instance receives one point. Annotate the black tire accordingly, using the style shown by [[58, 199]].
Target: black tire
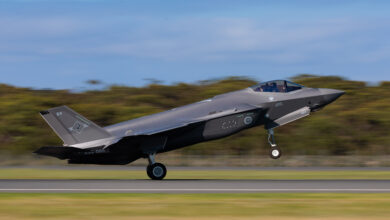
[[148, 171], [275, 152], [156, 171]]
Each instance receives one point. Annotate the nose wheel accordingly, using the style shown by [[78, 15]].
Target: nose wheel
[[155, 171], [275, 151]]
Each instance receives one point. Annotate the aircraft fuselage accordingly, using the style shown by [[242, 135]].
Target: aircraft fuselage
[[269, 104]]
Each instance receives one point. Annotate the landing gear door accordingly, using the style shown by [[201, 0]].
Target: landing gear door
[[295, 115], [153, 144]]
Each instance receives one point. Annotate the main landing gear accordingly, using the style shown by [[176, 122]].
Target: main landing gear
[[275, 151], [155, 171]]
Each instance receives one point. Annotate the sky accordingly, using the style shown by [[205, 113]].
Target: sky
[[62, 44]]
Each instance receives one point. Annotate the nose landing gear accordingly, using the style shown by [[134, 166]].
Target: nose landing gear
[[155, 171], [275, 151]]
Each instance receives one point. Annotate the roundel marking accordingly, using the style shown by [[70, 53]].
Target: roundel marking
[[248, 120]]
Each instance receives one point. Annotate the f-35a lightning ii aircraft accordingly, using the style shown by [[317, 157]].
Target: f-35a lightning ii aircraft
[[270, 104]]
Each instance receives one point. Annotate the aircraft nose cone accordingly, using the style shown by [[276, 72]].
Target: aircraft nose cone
[[331, 95]]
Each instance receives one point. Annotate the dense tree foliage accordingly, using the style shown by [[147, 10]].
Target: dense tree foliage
[[357, 123]]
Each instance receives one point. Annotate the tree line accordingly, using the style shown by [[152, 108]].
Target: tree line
[[356, 124]]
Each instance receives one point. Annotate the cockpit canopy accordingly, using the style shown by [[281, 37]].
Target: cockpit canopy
[[277, 86]]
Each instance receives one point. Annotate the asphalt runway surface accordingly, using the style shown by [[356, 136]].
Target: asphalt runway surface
[[194, 186]]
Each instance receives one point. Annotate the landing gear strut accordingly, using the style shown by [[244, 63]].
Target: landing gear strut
[[155, 171], [275, 151]]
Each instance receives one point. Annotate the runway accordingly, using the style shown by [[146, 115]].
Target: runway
[[194, 186]]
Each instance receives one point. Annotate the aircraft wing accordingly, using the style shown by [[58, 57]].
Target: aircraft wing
[[180, 124]]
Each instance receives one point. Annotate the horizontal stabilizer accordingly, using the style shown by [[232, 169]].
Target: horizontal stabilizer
[[59, 152]]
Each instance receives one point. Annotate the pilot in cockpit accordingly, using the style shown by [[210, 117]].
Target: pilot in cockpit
[[273, 87], [280, 86]]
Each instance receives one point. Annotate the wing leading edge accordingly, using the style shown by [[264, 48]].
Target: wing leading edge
[[163, 128]]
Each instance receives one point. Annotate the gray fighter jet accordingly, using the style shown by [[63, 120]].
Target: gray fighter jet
[[270, 104]]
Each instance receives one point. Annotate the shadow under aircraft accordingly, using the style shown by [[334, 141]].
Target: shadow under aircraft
[[269, 104]]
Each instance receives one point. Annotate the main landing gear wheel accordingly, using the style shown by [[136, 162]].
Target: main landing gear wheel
[[156, 171], [275, 153]]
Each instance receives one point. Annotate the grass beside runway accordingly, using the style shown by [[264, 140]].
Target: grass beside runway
[[284, 206], [23, 173]]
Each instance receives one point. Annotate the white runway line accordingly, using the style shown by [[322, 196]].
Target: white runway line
[[200, 190]]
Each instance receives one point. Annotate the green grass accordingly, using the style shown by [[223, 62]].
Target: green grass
[[195, 206], [21, 173], [284, 206]]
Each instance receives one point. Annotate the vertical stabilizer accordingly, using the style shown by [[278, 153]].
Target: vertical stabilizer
[[71, 127]]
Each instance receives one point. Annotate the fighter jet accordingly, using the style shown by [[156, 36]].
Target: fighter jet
[[269, 104]]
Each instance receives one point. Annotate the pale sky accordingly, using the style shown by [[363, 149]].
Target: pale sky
[[61, 44]]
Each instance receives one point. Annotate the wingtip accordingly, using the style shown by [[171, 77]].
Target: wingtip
[[44, 112]]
